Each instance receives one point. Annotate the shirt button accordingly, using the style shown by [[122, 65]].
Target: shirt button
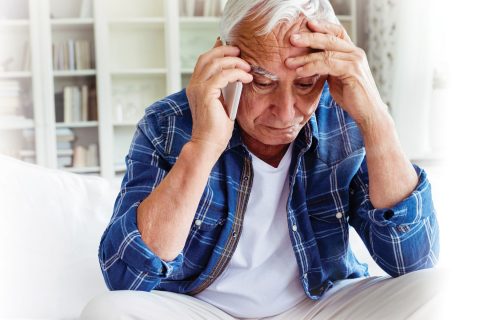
[[245, 178], [234, 234], [294, 227], [339, 215], [198, 222]]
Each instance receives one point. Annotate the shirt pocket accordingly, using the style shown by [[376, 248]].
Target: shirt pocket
[[202, 239], [330, 226]]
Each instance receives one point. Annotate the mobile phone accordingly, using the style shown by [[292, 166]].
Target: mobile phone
[[231, 95]]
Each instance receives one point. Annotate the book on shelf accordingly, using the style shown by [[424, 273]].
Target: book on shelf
[[65, 139], [65, 135], [64, 145], [10, 98], [86, 10], [79, 156], [82, 56], [67, 104], [85, 156], [84, 102], [26, 56], [59, 108], [188, 7], [211, 8], [72, 55], [205, 8], [64, 161], [75, 104], [92, 104], [64, 152], [92, 155]]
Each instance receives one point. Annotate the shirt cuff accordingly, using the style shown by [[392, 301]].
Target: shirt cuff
[[414, 208], [135, 252]]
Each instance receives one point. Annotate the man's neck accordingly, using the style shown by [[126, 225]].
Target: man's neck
[[271, 154]]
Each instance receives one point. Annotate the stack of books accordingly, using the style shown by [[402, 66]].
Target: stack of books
[[65, 139], [75, 104], [10, 98], [72, 55], [85, 156]]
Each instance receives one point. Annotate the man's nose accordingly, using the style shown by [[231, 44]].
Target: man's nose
[[284, 107]]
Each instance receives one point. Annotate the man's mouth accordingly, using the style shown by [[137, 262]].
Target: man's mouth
[[290, 128]]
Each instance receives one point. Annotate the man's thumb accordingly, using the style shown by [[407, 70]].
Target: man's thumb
[[218, 42]]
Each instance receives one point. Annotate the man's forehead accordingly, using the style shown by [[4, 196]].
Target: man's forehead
[[274, 46]]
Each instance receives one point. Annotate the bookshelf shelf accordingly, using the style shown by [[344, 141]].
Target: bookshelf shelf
[[197, 20], [187, 70], [72, 22], [14, 23], [125, 124], [74, 73], [141, 51], [82, 169], [82, 124], [142, 20], [17, 125], [139, 71], [15, 74]]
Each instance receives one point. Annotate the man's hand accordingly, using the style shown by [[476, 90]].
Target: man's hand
[[349, 77], [212, 127], [391, 175]]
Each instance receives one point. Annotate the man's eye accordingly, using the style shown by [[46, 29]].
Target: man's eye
[[305, 85], [263, 84]]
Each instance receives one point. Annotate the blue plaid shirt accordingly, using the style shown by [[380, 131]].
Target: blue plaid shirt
[[328, 193]]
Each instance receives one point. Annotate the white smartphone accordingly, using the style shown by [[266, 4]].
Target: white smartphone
[[231, 94]]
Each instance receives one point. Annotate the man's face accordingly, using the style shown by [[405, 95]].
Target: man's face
[[277, 103]]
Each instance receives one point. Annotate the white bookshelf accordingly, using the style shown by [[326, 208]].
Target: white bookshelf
[[141, 51]]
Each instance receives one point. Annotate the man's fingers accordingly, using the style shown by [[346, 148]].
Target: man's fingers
[[316, 40], [332, 67], [218, 64], [227, 76], [218, 42], [325, 26], [217, 52], [299, 61]]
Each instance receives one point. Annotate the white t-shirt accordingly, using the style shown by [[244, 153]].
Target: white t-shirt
[[262, 278]]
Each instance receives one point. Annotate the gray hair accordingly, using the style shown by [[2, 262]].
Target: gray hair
[[272, 12]]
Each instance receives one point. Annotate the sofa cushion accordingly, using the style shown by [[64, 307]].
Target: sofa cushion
[[51, 224]]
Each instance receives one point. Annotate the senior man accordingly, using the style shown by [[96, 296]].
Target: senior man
[[222, 219]]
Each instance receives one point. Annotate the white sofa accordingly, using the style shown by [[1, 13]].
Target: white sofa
[[51, 223]]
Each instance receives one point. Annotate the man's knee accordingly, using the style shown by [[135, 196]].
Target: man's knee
[[421, 293], [109, 306], [426, 281]]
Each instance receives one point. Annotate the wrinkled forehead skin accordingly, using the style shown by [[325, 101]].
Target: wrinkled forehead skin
[[274, 47]]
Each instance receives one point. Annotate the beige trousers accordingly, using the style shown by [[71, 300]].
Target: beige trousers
[[413, 296]]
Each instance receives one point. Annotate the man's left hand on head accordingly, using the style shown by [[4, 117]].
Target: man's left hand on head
[[349, 77]]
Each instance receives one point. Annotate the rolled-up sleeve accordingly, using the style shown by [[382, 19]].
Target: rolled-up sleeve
[[126, 261], [403, 238]]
